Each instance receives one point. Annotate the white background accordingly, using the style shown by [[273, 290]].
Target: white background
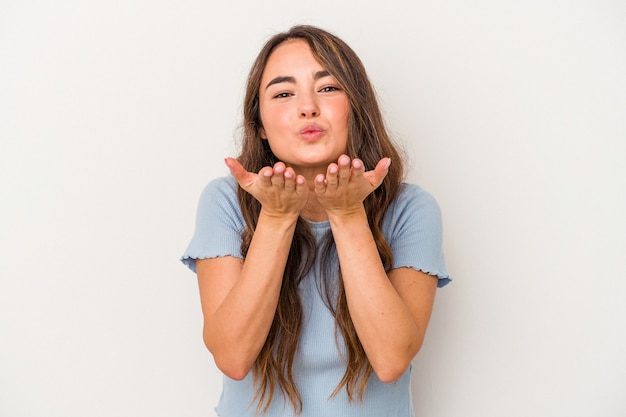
[[114, 115]]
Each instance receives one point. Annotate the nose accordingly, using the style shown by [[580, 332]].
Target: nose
[[308, 106]]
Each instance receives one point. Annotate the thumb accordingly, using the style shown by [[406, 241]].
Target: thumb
[[378, 174], [243, 177]]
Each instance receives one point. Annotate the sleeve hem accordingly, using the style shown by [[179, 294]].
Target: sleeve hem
[[443, 279], [190, 260]]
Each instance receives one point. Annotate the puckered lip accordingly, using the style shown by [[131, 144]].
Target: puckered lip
[[311, 128]]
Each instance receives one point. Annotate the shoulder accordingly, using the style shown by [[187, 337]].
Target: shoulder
[[414, 212], [219, 203], [413, 198], [221, 186], [219, 223], [413, 228], [220, 192]]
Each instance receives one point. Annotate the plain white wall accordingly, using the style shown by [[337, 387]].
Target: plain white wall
[[114, 114]]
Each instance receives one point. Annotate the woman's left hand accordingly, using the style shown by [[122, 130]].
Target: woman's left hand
[[346, 185]]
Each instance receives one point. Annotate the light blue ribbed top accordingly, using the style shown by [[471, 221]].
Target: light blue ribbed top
[[413, 229]]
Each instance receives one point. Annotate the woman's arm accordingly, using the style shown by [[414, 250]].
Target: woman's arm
[[239, 297], [391, 311]]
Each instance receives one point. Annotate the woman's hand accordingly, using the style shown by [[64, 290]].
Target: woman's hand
[[279, 190], [346, 185]]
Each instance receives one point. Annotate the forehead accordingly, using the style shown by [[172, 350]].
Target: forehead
[[289, 57]]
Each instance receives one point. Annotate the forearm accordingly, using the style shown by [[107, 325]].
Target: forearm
[[384, 324], [237, 330]]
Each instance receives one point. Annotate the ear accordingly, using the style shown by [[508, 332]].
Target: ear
[[262, 133]]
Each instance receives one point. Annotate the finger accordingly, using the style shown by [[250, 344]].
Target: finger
[[320, 184], [378, 174], [301, 187], [358, 168], [278, 179], [265, 176], [344, 169], [290, 179], [383, 166], [243, 177], [331, 175]]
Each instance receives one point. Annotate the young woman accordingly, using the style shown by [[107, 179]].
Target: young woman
[[317, 265]]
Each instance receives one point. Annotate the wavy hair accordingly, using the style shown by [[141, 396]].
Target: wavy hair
[[368, 140]]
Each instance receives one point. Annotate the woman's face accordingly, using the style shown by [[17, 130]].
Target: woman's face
[[303, 110]]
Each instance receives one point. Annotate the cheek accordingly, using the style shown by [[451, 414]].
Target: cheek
[[343, 112], [272, 119], [346, 116]]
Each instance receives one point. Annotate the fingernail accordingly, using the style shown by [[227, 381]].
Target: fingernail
[[333, 169], [387, 163], [357, 164]]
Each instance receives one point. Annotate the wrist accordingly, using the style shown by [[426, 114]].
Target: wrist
[[277, 220], [347, 216]]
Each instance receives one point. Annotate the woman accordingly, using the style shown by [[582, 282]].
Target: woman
[[317, 265]]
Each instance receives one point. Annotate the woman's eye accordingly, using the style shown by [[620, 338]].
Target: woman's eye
[[329, 88], [282, 95]]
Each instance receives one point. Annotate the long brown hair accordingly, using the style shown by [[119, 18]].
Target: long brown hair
[[368, 140]]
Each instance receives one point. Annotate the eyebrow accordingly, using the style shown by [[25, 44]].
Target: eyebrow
[[290, 79]]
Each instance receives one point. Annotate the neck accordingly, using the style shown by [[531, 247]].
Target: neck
[[313, 211]]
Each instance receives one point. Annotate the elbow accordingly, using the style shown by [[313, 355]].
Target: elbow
[[228, 364], [232, 370], [390, 374], [231, 366], [390, 369]]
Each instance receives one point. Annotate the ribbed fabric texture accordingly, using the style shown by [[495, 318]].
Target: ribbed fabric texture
[[412, 226]]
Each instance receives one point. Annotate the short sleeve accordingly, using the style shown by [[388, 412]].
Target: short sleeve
[[413, 229], [219, 224]]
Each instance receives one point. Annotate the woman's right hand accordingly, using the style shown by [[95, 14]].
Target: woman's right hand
[[279, 190], [239, 296]]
